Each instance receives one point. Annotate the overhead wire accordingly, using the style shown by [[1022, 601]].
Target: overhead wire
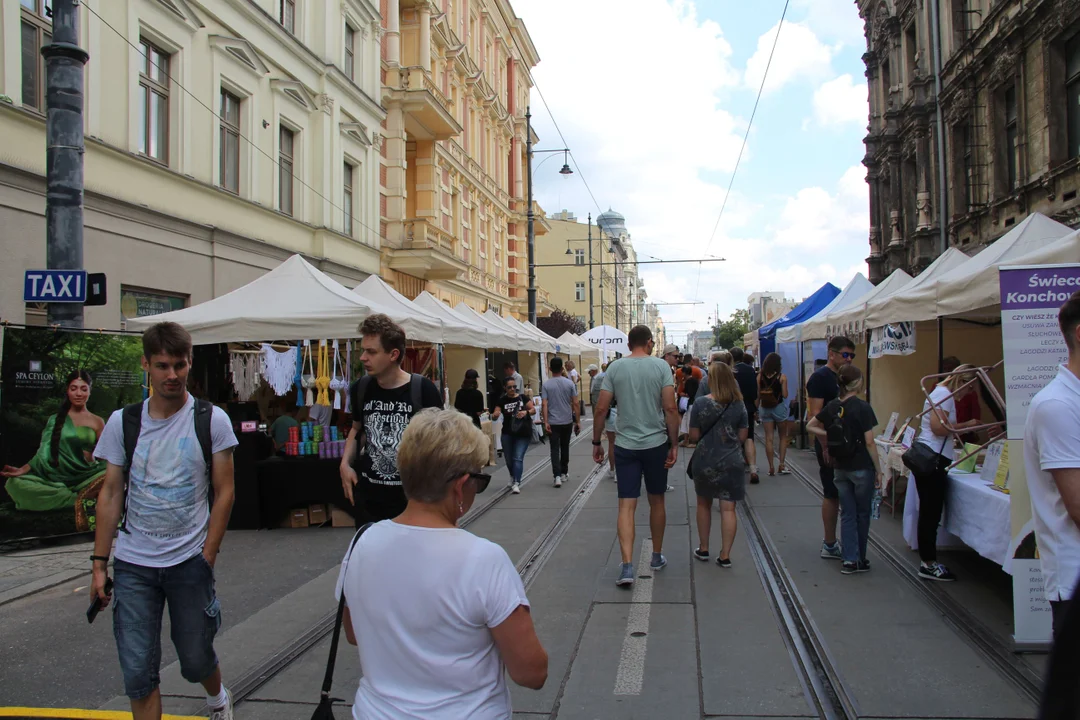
[[746, 137]]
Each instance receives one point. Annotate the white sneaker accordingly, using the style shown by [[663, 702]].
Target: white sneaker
[[558, 480], [516, 488], [611, 474], [223, 713]]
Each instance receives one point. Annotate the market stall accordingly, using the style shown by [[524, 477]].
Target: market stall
[[809, 307], [468, 348]]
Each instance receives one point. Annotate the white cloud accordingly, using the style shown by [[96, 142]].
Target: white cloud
[[657, 141], [799, 55], [832, 19], [840, 101]]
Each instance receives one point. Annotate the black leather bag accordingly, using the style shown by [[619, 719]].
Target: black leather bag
[[325, 710], [921, 459]]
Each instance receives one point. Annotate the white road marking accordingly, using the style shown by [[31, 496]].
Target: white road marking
[[632, 661]]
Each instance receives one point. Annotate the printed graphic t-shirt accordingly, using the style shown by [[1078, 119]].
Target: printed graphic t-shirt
[[168, 510], [509, 407], [386, 415]]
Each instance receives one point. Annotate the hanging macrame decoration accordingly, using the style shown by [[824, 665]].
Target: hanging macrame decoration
[[309, 376], [322, 380], [298, 379], [278, 368], [245, 375], [338, 383], [348, 375]]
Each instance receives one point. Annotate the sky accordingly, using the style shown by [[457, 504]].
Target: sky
[[653, 98]]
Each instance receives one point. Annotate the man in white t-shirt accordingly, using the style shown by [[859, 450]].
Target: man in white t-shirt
[[1052, 465], [170, 535]]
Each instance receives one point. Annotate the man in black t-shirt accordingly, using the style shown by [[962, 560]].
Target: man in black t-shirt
[[380, 418], [747, 379], [823, 387]]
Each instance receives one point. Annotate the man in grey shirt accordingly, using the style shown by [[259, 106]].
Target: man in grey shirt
[[510, 373], [560, 414]]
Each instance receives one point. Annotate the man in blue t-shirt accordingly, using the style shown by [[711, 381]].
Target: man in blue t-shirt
[[823, 387]]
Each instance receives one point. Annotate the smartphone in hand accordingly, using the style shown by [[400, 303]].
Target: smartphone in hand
[[95, 606]]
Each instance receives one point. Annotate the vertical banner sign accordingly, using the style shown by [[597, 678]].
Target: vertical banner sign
[[60, 386], [1033, 349], [894, 339]]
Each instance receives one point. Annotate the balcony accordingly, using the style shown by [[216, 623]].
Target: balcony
[[428, 115], [429, 253]]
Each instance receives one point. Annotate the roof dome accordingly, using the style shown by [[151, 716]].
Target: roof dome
[[612, 223], [610, 216]]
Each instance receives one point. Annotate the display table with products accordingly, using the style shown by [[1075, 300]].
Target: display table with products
[[976, 515], [285, 483]]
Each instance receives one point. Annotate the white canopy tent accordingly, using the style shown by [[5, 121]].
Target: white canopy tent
[[293, 301], [400, 308], [852, 318], [608, 341], [574, 345], [467, 331], [892, 306], [507, 338], [975, 285], [547, 342], [814, 327], [527, 342]]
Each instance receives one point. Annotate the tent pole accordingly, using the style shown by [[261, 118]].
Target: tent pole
[[940, 344], [868, 360], [803, 444]]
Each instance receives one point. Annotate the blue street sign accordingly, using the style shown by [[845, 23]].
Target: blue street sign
[[55, 286]]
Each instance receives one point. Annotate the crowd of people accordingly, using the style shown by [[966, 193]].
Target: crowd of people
[[413, 470]]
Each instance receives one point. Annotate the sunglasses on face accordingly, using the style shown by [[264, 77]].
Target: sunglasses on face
[[847, 355], [482, 480]]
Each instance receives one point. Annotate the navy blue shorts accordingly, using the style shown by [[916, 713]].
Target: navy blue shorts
[[633, 465]]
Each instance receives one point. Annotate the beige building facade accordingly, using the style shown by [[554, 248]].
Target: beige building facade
[[1011, 105], [456, 81], [222, 136]]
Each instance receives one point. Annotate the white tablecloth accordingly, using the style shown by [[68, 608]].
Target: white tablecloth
[[975, 515]]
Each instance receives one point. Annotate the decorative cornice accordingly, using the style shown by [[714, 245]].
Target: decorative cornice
[[240, 50]]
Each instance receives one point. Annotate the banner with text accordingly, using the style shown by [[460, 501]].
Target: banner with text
[[894, 339], [59, 388], [1033, 349]]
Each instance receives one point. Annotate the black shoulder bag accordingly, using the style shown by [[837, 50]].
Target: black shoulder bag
[[690, 465], [325, 709]]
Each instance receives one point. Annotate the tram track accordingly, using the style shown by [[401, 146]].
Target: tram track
[[989, 644], [826, 692], [528, 566]]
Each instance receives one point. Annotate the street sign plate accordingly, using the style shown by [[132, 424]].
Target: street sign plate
[[54, 286]]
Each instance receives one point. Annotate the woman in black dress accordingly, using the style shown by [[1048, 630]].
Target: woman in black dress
[[469, 399]]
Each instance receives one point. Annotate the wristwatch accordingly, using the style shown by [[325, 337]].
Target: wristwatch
[[597, 443], [102, 558]]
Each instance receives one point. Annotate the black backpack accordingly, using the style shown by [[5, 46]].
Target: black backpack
[[132, 425], [843, 438]]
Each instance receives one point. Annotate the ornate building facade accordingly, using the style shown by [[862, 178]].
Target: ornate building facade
[[452, 191], [1011, 104], [222, 136]]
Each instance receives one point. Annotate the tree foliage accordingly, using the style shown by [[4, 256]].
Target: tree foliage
[[730, 332], [560, 322]]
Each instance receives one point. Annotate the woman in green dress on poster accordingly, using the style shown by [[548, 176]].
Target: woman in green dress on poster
[[63, 465]]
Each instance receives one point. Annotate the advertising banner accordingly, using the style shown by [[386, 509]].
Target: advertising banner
[[1033, 350], [894, 339], [608, 341], [59, 388]]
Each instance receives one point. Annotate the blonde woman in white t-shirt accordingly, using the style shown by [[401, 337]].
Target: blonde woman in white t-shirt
[[439, 615], [932, 487]]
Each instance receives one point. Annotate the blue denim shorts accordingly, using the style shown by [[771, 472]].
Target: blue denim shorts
[[776, 414], [631, 466], [139, 598]]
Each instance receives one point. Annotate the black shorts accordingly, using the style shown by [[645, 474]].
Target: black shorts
[[751, 415], [378, 502], [825, 472]]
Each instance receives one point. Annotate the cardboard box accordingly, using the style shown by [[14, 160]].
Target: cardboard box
[[488, 429], [317, 515], [340, 518], [297, 518]]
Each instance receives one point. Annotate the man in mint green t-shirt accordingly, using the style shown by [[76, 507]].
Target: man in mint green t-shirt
[[646, 441]]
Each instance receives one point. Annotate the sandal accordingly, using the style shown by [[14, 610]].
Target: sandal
[[771, 473], [783, 471]]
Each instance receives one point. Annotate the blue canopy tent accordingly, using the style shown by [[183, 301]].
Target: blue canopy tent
[[809, 307]]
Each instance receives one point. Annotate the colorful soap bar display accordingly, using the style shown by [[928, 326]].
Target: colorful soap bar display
[[309, 439]]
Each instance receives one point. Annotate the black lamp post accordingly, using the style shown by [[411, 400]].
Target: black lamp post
[[529, 152]]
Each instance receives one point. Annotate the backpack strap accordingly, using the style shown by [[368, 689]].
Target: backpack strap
[[132, 425], [416, 386], [328, 678], [204, 413]]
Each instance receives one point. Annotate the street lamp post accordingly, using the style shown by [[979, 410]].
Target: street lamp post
[[529, 152], [592, 322]]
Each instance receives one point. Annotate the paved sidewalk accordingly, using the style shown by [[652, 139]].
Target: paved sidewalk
[[26, 572]]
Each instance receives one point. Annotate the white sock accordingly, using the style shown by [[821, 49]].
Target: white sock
[[219, 701]]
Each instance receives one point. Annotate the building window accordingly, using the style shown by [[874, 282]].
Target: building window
[[285, 170], [229, 162], [154, 103], [1012, 136], [350, 52], [579, 291], [287, 15], [911, 55], [579, 257], [348, 200], [35, 33], [966, 134], [1072, 94]]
